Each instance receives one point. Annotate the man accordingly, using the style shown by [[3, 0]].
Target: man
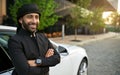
[[31, 51]]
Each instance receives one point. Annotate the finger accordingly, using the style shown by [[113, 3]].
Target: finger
[[49, 53]]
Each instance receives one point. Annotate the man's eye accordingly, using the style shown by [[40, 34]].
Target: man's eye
[[37, 17], [29, 16]]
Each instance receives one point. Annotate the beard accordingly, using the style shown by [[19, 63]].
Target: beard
[[30, 26]]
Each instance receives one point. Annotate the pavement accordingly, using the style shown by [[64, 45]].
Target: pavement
[[83, 39]]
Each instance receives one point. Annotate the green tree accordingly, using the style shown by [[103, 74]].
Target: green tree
[[115, 18], [97, 21], [115, 21], [79, 14], [47, 7]]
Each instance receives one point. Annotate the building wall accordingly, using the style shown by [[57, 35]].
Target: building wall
[[2, 9]]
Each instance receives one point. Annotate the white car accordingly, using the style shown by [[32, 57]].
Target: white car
[[74, 60]]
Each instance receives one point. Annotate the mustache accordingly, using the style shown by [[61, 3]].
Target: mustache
[[30, 23], [33, 23]]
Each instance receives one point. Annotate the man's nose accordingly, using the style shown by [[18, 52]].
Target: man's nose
[[34, 19]]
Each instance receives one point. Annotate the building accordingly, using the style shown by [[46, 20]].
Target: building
[[109, 5]]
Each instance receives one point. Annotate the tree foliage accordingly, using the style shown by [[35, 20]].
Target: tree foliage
[[115, 18], [97, 20], [83, 3], [115, 22], [46, 7], [79, 14]]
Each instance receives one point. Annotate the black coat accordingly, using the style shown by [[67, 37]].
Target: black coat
[[23, 47]]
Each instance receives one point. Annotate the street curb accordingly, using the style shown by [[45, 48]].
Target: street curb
[[84, 39], [98, 38]]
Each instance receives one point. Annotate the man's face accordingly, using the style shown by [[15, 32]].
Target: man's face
[[30, 22]]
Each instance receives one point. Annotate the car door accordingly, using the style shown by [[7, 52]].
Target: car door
[[6, 66]]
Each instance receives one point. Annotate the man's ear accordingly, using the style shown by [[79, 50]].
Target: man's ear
[[20, 20]]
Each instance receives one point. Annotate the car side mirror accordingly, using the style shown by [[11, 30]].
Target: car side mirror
[[62, 51]]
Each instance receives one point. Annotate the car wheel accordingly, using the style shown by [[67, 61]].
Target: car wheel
[[83, 68]]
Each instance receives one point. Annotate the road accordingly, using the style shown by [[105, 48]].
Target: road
[[104, 56]]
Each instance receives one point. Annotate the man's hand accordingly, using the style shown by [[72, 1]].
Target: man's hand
[[49, 53], [32, 63]]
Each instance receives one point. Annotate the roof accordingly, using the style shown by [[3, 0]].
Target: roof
[[102, 3], [65, 6]]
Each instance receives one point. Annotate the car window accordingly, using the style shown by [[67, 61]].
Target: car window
[[6, 35], [3, 42]]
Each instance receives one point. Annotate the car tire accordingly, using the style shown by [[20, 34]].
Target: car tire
[[83, 68]]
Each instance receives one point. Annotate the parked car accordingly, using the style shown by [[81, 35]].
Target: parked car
[[74, 59]]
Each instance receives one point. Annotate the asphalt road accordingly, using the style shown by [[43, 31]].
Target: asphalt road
[[104, 56]]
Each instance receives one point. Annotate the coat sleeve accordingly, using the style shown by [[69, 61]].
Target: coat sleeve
[[19, 59], [53, 60]]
